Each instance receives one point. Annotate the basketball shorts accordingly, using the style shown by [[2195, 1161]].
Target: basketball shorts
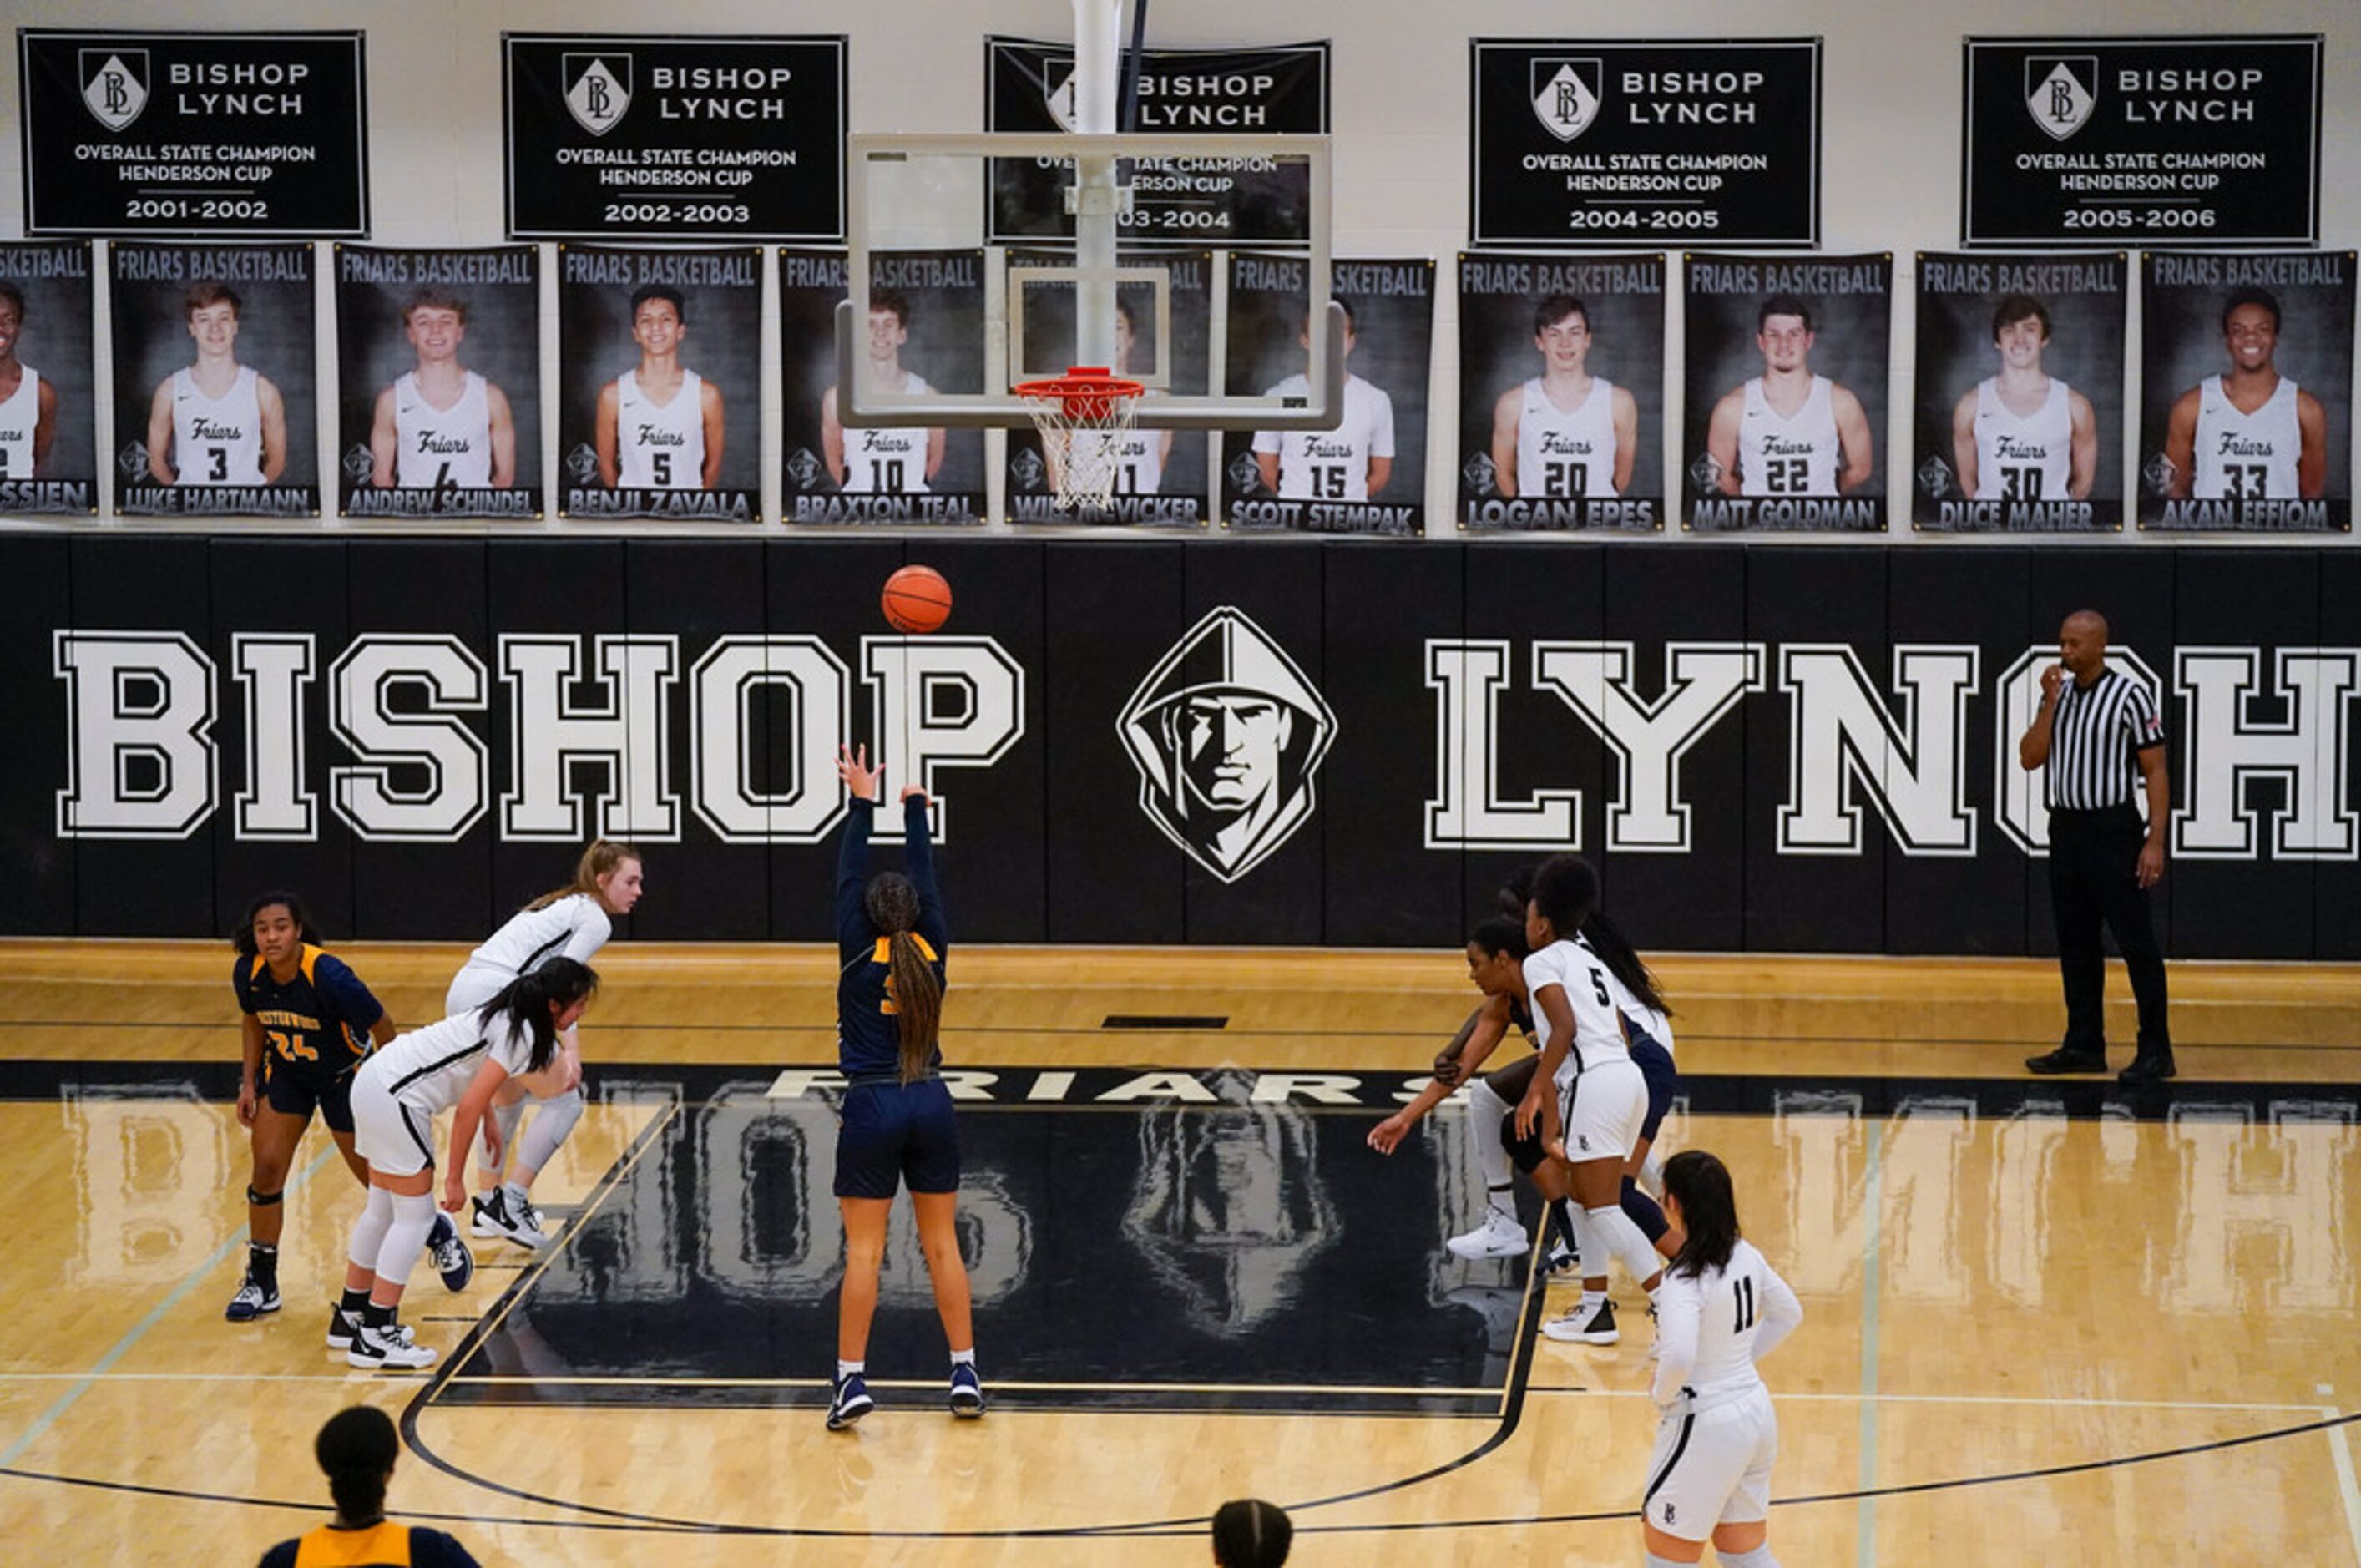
[[293, 1093], [1712, 1466], [892, 1133], [1602, 1109], [1656, 1066], [396, 1139]]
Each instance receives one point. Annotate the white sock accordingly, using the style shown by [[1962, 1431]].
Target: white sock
[[1630, 1245], [1485, 1109], [845, 1369], [515, 1193], [963, 1357]]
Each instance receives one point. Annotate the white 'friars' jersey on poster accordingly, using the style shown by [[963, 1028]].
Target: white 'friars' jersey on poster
[[19, 417], [2243, 457], [1138, 461], [1331, 465], [661, 446], [878, 461], [442, 447], [217, 441], [1566, 455], [1780, 456], [2029, 459]]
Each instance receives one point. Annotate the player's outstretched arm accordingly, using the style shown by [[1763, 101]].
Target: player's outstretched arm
[[503, 423], [2082, 471], [274, 429], [2181, 445], [2311, 465], [709, 412], [603, 436], [1721, 440], [467, 1122], [1858, 447]]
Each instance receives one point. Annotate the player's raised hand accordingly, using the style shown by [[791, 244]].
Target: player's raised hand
[[853, 767]]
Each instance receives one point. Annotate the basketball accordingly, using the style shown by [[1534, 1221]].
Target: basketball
[[917, 599]]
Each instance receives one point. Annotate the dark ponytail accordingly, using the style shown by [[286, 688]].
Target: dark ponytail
[[1566, 891], [1251, 1534], [1622, 961], [357, 1448], [891, 902], [525, 1003], [1517, 891], [1700, 1184], [1500, 935]]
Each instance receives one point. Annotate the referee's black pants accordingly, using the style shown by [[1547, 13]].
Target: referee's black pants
[[2094, 878]]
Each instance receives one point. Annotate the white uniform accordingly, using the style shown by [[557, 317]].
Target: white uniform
[[402, 1086], [575, 926], [1782, 456], [888, 462], [1602, 1097], [20, 416], [1561, 454], [1627, 1002], [217, 441], [442, 448], [1331, 465], [2246, 456], [2029, 459], [661, 446], [1718, 1435]]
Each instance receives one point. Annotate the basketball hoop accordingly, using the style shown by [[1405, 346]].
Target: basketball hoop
[[1083, 417]]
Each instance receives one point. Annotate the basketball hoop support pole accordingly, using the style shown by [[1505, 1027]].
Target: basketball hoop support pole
[[1096, 50]]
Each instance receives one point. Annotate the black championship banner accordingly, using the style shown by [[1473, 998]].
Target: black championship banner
[[2246, 391], [2018, 408], [194, 133], [925, 333], [669, 138], [1161, 474], [2142, 141], [49, 450], [1560, 393], [1369, 474], [438, 365], [659, 383], [1282, 89], [216, 413], [1599, 142], [1786, 365]]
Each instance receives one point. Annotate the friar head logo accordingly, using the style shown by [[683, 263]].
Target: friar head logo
[[1227, 735]]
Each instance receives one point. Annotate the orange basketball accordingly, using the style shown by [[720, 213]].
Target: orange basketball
[[917, 599]]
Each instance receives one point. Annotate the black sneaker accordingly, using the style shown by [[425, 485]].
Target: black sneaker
[[2149, 1070], [2062, 1059], [850, 1403], [343, 1329], [254, 1297]]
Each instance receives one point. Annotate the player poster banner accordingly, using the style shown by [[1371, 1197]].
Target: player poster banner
[[1161, 475], [2184, 140], [215, 407], [659, 380], [1560, 393], [438, 398], [1609, 142], [2018, 416], [925, 334], [1786, 365], [194, 133], [1282, 89], [2246, 391], [624, 137], [1369, 474], [49, 451]]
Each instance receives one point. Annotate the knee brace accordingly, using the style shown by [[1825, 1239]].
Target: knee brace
[[369, 1231], [411, 1217], [1759, 1558], [551, 1123], [262, 1200]]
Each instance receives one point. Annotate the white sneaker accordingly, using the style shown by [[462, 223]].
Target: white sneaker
[[521, 1224], [1585, 1322], [1499, 1236], [392, 1348]]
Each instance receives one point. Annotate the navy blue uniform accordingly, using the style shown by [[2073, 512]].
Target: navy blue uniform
[[892, 1131], [315, 1031]]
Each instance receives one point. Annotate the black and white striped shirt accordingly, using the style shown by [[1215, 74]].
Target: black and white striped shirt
[[2095, 736]]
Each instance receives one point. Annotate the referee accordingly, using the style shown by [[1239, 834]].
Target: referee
[[2094, 725]]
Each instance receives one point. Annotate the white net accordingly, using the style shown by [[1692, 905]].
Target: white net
[[1085, 424]]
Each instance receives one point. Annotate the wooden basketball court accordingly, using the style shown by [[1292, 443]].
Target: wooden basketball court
[[2045, 1320]]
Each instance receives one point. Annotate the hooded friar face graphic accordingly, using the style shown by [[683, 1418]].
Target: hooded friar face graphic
[[1227, 733]]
